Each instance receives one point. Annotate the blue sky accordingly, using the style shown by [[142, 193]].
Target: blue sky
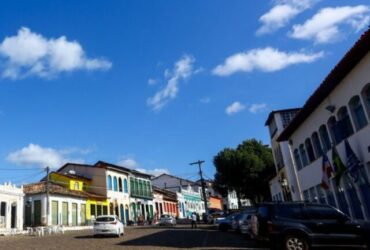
[[156, 85]]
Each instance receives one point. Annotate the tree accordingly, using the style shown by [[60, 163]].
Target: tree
[[244, 170]]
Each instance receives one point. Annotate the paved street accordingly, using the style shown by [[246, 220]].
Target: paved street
[[180, 237]]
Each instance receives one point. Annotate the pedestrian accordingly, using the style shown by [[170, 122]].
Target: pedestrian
[[193, 220]]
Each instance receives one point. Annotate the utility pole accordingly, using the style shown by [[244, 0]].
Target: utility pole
[[47, 169], [199, 163]]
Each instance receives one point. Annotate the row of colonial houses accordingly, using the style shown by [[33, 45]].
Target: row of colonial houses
[[75, 194], [322, 150]]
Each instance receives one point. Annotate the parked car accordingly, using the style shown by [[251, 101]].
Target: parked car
[[243, 219], [212, 215], [167, 220], [108, 225], [301, 225], [224, 224], [245, 226]]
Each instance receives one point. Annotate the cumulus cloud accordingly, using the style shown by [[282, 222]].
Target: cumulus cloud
[[36, 155], [257, 107], [128, 162], [29, 53], [183, 70], [325, 26], [265, 59], [281, 13], [234, 108], [155, 171]]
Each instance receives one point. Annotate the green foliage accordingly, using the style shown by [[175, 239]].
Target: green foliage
[[244, 169]]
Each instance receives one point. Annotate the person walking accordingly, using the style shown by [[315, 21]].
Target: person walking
[[193, 220]]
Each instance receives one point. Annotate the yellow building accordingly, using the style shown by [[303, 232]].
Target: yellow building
[[95, 204]]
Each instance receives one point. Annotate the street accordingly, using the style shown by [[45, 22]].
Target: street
[[179, 237]]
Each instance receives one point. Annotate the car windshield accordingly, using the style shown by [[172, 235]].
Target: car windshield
[[105, 219]]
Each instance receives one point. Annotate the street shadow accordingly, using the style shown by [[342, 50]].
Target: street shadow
[[188, 238]]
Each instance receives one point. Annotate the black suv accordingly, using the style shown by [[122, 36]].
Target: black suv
[[301, 225]]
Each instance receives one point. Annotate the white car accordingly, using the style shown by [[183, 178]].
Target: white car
[[108, 225], [167, 220]]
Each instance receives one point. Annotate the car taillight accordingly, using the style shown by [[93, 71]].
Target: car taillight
[[114, 222], [270, 227]]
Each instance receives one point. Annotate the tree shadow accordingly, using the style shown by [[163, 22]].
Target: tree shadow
[[188, 238]]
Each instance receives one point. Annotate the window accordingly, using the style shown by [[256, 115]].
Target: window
[[316, 144], [321, 194], [322, 213], [125, 188], [98, 210], [77, 186], [93, 210], [366, 97], [140, 187], [109, 181], [313, 194], [297, 159], [334, 133], [357, 112], [132, 185], [3, 208], [105, 210], [115, 184], [344, 124], [120, 184], [326, 144], [306, 196], [303, 154], [278, 157], [287, 117], [288, 211], [310, 153]]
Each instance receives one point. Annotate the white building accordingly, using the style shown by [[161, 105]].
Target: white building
[[338, 110], [189, 194], [11, 208], [283, 186], [129, 192]]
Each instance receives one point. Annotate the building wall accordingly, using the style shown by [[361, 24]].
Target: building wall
[[47, 220], [310, 176], [10, 195]]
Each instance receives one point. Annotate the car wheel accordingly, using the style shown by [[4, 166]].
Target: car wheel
[[295, 242]]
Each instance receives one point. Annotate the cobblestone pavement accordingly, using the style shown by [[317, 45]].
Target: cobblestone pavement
[[179, 237]]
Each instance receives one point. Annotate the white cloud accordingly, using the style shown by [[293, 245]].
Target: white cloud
[[281, 13], [257, 107], [152, 81], [29, 53], [155, 171], [266, 59], [324, 26], [205, 100], [234, 108], [128, 162], [35, 155], [183, 69]]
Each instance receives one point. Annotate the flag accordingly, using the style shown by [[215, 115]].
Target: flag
[[352, 162], [327, 170], [338, 165]]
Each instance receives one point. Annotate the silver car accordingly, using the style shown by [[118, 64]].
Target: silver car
[[108, 225], [167, 220]]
